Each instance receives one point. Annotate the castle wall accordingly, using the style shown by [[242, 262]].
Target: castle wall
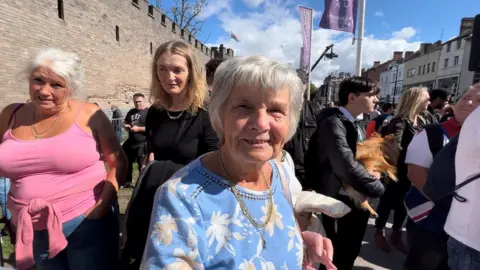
[[114, 69]]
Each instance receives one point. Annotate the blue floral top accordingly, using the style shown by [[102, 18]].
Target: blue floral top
[[197, 223]]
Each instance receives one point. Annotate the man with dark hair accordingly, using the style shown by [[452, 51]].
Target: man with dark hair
[[297, 147], [330, 163], [134, 146], [438, 99]]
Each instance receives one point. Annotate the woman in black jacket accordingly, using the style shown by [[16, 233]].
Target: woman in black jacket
[[404, 125], [178, 131]]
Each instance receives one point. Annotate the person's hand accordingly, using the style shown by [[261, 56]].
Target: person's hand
[[376, 175], [135, 128], [127, 127], [319, 250]]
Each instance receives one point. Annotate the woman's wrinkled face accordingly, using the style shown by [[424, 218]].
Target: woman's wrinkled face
[[255, 123], [47, 90], [466, 104], [172, 71]]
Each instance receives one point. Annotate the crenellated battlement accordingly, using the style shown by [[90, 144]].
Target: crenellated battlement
[[115, 39], [168, 24]]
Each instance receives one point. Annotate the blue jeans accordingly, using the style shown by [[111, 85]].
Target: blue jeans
[[462, 257], [92, 244], [4, 189]]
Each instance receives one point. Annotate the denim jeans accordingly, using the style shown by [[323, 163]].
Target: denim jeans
[[4, 189], [462, 257], [93, 244]]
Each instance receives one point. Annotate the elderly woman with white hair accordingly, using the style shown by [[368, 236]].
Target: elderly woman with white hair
[[231, 209], [51, 148]]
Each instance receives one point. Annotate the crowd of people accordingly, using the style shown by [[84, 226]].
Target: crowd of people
[[223, 153]]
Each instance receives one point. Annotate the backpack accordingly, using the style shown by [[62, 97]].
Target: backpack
[[417, 205], [298, 145], [440, 185]]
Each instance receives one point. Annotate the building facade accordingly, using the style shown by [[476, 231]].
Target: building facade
[[115, 39], [420, 69], [329, 90], [391, 82], [451, 66]]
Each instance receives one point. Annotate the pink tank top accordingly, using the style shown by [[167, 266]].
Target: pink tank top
[[53, 180]]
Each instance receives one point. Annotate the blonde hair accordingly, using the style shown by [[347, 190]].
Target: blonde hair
[[196, 87], [409, 102]]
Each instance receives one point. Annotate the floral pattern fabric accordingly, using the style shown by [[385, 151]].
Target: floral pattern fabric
[[197, 223]]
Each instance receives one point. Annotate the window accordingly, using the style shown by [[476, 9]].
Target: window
[[117, 33], [61, 15], [433, 67], [423, 72], [400, 74], [394, 77], [411, 72], [456, 60], [428, 68], [449, 47], [419, 70], [151, 48], [459, 44], [445, 64], [476, 77]]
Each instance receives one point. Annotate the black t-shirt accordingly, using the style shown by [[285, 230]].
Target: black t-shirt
[[137, 117]]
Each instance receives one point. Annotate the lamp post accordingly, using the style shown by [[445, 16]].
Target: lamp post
[[395, 85]]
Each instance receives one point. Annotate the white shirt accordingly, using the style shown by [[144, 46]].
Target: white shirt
[[463, 222], [418, 151]]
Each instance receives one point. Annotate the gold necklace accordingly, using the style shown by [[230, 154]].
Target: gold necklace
[[244, 207], [174, 117], [34, 131]]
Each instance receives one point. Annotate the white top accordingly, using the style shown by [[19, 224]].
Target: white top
[[464, 218], [418, 151], [293, 183]]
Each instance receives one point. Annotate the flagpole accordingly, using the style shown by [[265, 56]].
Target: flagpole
[[310, 62], [358, 68]]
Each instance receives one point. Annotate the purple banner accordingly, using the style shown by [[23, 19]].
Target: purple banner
[[340, 15], [306, 16]]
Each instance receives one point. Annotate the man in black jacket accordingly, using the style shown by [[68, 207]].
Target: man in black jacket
[[330, 162]]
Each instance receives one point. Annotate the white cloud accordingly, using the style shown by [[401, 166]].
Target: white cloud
[[379, 13], [214, 7], [317, 14], [253, 3], [274, 31], [406, 33]]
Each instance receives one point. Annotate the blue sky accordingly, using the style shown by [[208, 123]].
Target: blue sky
[[271, 28]]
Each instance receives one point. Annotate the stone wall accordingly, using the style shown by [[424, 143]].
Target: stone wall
[[114, 69]]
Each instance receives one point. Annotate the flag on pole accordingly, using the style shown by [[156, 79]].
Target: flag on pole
[[340, 15], [234, 37], [306, 16]]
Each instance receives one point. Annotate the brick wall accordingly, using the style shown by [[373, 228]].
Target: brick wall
[[114, 69]]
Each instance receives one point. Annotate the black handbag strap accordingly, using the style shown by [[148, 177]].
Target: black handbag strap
[[464, 183]]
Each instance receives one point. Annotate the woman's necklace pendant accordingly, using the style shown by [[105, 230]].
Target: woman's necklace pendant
[[37, 137]]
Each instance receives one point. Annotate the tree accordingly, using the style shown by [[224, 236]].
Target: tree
[[185, 13]]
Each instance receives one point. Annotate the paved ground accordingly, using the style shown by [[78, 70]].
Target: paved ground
[[373, 258]]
